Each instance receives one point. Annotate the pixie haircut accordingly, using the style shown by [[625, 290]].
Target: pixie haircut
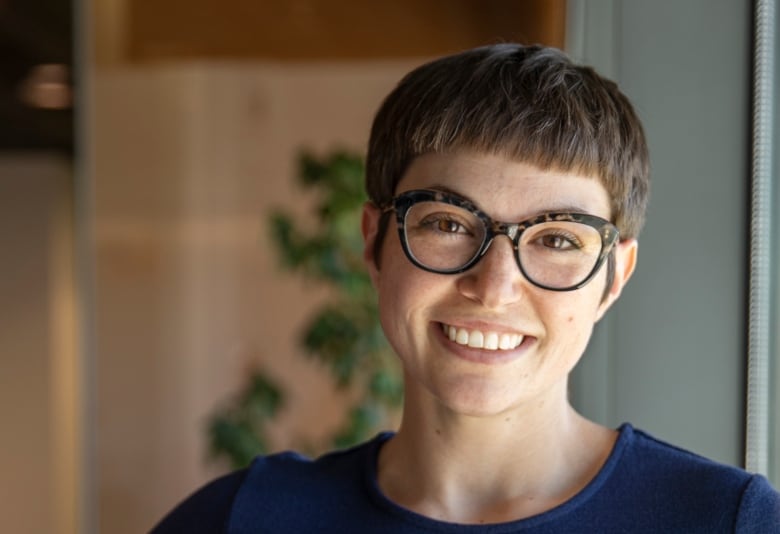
[[528, 103]]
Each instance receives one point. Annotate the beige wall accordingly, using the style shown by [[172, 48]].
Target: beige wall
[[38, 367], [189, 159]]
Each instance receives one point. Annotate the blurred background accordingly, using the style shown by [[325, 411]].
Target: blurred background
[[143, 145]]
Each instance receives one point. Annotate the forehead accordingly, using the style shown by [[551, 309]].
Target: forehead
[[507, 189]]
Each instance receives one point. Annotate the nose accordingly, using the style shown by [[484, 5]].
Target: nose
[[495, 281]]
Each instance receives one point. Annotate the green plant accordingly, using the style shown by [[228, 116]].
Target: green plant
[[344, 334], [237, 431]]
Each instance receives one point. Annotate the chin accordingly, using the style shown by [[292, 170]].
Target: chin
[[481, 400]]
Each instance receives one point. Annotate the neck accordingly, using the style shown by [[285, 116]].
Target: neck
[[472, 469]]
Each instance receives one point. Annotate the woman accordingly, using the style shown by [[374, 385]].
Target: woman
[[508, 187]]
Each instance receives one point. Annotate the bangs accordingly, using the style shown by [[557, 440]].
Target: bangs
[[529, 104]]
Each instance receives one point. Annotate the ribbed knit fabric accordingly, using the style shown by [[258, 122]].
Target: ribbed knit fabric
[[645, 486]]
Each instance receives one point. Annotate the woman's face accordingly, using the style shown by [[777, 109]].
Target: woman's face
[[514, 343]]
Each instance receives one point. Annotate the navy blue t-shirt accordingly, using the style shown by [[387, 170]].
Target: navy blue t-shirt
[[645, 486]]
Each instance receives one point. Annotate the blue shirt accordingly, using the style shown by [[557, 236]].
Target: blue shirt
[[645, 486]]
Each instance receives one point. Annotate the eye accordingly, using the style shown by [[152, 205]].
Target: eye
[[560, 241], [449, 226], [446, 224]]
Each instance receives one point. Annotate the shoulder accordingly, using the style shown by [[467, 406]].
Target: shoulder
[[300, 477], [690, 487], [291, 493], [759, 509], [274, 490], [206, 510], [650, 454]]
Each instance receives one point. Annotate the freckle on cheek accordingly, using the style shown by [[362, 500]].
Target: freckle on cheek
[[571, 318]]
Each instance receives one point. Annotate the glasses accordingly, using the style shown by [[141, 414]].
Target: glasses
[[447, 234]]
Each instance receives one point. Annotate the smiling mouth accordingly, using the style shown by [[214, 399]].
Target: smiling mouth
[[482, 340]]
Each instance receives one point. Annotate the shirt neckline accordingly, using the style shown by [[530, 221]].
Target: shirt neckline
[[625, 437]]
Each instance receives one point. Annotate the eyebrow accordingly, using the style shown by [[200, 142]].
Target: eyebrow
[[445, 189], [559, 208]]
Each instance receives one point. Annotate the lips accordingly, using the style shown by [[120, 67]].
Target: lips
[[478, 339]]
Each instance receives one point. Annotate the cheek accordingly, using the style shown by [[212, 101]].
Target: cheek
[[399, 290], [569, 317], [404, 291], [403, 305]]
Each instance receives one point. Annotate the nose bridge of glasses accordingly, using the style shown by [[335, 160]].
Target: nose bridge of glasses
[[511, 230], [497, 229]]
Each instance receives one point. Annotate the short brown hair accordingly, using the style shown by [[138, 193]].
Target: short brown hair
[[530, 103]]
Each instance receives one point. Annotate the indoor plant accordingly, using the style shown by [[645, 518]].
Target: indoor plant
[[344, 334]]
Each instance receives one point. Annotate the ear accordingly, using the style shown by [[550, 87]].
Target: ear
[[369, 225], [625, 262]]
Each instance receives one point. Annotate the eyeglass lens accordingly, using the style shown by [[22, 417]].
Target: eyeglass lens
[[445, 238]]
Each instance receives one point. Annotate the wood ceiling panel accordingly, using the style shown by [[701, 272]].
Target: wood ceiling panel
[[334, 29]]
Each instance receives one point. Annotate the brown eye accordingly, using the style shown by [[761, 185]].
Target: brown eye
[[448, 226], [558, 242]]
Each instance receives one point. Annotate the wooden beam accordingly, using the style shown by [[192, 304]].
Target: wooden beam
[[334, 29]]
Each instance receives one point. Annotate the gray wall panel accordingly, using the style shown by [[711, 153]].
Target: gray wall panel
[[670, 357]]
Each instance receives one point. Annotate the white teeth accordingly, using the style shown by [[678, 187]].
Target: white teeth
[[476, 339], [482, 340], [461, 336], [506, 342]]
